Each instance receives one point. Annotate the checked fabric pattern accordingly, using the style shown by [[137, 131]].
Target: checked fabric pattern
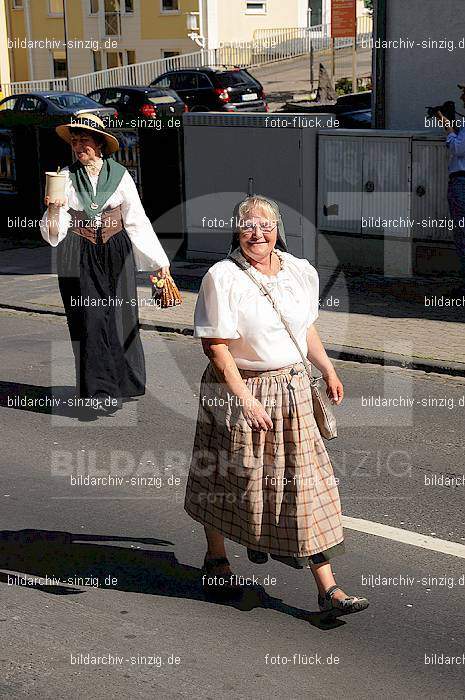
[[270, 491]]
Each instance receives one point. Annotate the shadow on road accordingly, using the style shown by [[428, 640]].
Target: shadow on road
[[39, 399], [50, 400], [78, 560]]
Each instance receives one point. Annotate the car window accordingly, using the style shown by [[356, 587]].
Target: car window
[[165, 82], [185, 81], [101, 96], [72, 101], [125, 98], [31, 104], [112, 97], [236, 77], [203, 81], [10, 103]]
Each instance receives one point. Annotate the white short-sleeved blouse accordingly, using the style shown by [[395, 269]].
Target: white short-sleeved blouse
[[232, 307], [148, 251]]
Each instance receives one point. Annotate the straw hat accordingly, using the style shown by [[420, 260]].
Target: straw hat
[[89, 122]]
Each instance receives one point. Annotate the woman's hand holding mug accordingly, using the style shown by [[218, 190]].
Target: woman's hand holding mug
[[58, 202], [53, 208]]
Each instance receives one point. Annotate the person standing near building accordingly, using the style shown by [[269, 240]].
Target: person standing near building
[[456, 191]]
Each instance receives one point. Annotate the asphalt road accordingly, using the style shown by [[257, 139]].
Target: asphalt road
[[128, 558], [285, 79]]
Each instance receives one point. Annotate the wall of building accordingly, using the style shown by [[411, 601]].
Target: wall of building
[[164, 26], [235, 24], [34, 23], [4, 52], [16, 29], [417, 77], [148, 31]]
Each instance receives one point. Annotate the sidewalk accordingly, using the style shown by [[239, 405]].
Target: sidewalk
[[362, 318]]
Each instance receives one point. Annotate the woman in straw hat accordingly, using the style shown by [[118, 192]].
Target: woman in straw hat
[[260, 474], [104, 236]]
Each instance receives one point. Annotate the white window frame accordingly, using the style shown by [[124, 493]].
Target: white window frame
[[177, 52], [93, 14], [17, 7], [250, 11], [53, 14], [170, 12]]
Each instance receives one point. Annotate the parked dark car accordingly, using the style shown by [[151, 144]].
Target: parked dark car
[[31, 106], [131, 102], [215, 89], [354, 101], [357, 119], [354, 110]]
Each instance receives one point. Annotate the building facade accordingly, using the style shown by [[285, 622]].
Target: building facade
[[109, 33], [418, 62], [5, 72], [321, 11]]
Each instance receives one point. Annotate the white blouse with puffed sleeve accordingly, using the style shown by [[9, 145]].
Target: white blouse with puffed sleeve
[[232, 307], [148, 251]]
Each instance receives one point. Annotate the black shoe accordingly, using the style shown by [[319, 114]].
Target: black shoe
[[257, 557]]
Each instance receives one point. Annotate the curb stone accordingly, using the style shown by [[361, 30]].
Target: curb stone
[[337, 352]]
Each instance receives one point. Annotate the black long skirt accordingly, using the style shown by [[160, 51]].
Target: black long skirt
[[99, 292]]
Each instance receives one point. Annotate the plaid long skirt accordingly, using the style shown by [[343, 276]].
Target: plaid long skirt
[[271, 491]]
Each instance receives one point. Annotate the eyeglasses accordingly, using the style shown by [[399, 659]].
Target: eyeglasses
[[249, 226]]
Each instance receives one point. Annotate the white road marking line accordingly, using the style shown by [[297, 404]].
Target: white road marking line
[[405, 536]]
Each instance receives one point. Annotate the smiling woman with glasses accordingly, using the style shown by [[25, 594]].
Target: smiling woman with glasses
[[260, 474]]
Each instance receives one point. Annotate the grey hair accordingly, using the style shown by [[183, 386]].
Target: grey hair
[[255, 202]]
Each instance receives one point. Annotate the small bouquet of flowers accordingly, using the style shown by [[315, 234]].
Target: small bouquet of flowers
[[165, 292]]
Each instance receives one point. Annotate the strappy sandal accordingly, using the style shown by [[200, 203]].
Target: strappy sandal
[[337, 607], [216, 583]]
